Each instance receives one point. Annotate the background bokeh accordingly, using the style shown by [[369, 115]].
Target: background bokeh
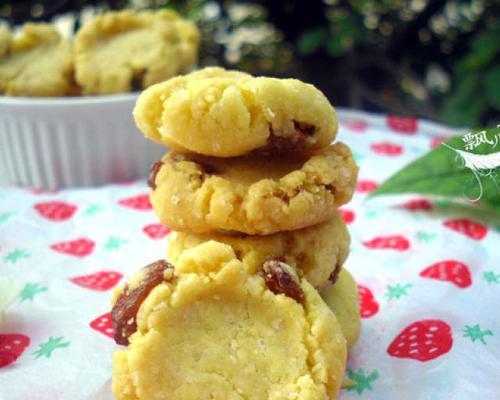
[[434, 59]]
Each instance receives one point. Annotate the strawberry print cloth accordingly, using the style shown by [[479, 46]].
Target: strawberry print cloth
[[428, 274]]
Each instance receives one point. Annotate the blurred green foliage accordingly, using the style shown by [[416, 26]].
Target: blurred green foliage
[[476, 79], [444, 56], [433, 59], [238, 35]]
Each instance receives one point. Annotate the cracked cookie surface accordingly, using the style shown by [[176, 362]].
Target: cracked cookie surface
[[223, 113], [213, 331], [36, 62], [342, 298], [126, 51], [254, 195], [314, 252]]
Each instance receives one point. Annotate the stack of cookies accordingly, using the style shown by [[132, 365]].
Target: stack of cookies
[[253, 302]]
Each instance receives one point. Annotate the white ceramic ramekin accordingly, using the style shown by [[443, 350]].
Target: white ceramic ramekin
[[52, 143]]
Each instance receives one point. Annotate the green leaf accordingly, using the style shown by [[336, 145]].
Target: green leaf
[[485, 46], [492, 86], [336, 46], [465, 105], [442, 172], [349, 26], [311, 41]]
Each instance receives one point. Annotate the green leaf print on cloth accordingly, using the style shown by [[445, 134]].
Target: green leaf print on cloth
[[114, 243], [475, 333], [46, 349], [30, 290], [5, 217], [491, 277], [397, 291], [16, 255], [361, 381]]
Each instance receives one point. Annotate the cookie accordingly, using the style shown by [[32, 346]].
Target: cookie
[[314, 252], [342, 298], [209, 330], [256, 195], [5, 40], [36, 62], [227, 113], [125, 51]]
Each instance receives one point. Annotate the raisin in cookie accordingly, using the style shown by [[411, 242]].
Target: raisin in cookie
[[341, 295], [314, 252], [125, 51], [255, 195], [228, 113], [36, 62], [208, 330]]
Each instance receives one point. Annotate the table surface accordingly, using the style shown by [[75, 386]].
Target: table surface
[[429, 276]]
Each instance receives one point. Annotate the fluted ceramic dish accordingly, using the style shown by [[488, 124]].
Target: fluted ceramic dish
[[52, 143]]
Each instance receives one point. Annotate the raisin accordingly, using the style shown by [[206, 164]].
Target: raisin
[[137, 82], [124, 312], [330, 188], [280, 281], [207, 168], [288, 143], [304, 128], [281, 144], [155, 168], [334, 276]]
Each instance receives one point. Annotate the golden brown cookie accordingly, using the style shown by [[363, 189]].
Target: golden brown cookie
[[314, 252], [37, 62], [342, 298], [223, 113], [254, 195], [125, 51], [210, 330], [5, 40]]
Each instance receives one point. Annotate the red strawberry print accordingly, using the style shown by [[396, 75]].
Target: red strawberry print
[[103, 280], [55, 210], [103, 324], [347, 215], [393, 242], [367, 303], [79, 247], [12, 345], [403, 125], [156, 231], [366, 186], [422, 340], [140, 202], [356, 126], [417, 205], [387, 149], [449, 270], [469, 228]]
